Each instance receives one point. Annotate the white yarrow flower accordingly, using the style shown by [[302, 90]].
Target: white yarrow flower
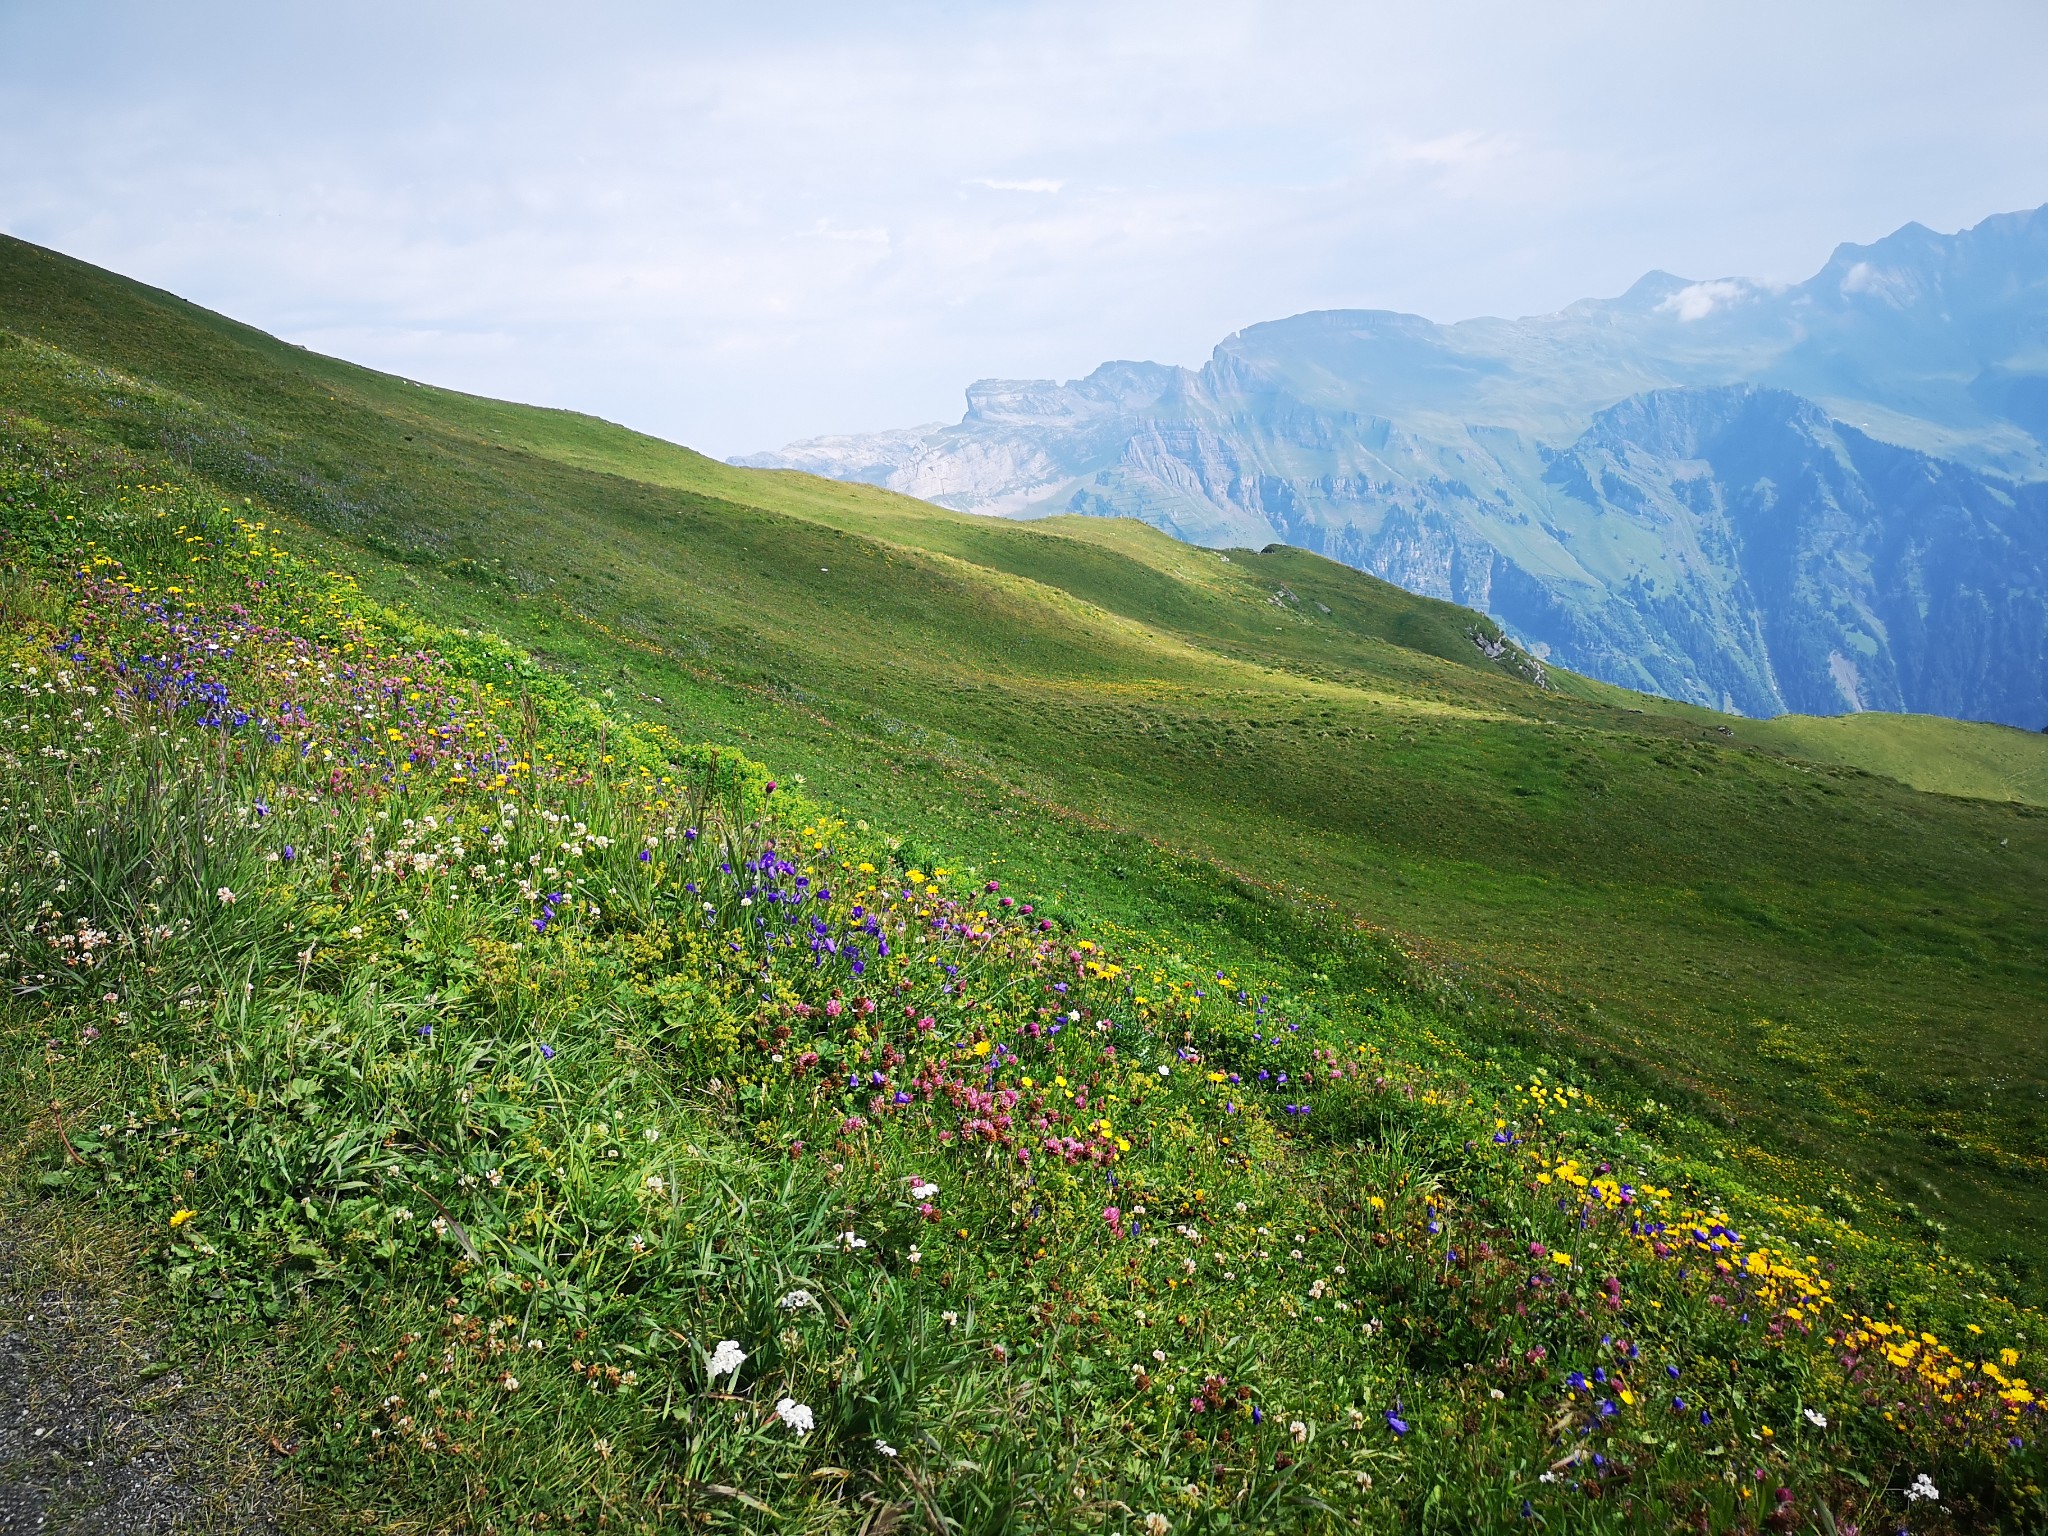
[[850, 1241], [726, 1360], [796, 1416], [797, 1299], [885, 1447], [1922, 1487]]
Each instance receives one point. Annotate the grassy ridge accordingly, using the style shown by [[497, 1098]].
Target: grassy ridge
[[594, 1133]]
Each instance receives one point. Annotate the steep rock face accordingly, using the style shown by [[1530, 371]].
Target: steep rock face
[[1610, 481], [1803, 565]]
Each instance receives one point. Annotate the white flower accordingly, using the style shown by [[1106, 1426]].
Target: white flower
[[916, 1257], [656, 1184], [796, 1299], [1163, 1072], [923, 1191], [227, 897], [1300, 1432], [1816, 1418], [726, 1360], [796, 1416], [1922, 1488], [951, 1319], [1496, 1394], [850, 1241], [885, 1447], [1157, 1524], [509, 1382]]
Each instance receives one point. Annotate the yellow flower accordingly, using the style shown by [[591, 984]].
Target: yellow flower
[[915, 877], [981, 1047], [181, 1216], [1561, 1258]]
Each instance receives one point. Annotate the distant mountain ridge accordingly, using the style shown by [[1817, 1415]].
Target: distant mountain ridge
[[1820, 498]]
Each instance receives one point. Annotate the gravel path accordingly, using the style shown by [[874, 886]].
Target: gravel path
[[99, 1432]]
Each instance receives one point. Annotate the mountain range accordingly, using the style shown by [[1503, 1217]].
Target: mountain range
[[1820, 498]]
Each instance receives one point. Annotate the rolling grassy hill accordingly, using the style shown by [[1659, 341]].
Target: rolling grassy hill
[[1745, 919]]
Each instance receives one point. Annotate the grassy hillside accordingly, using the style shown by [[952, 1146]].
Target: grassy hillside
[[1848, 971], [1948, 757], [543, 1122], [1774, 981]]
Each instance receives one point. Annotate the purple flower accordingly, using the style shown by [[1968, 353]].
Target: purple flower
[[1396, 1423], [547, 1053]]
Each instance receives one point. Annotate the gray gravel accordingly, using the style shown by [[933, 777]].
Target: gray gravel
[[100, 1434]]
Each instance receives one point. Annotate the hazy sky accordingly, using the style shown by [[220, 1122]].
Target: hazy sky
[[741, 224]]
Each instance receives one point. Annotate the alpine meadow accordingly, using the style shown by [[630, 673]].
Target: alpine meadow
[[584, 988]]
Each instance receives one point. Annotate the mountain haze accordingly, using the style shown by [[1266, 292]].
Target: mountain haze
[[1818, 498]]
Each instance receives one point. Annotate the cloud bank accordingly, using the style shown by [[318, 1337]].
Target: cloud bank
[[738, 226]]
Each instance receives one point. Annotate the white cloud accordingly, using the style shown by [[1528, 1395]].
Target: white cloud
[[738, 226], [1886, 284], [1696, 301], [1469, 148]]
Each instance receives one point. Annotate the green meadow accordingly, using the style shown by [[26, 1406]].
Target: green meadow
[[1801, 964]]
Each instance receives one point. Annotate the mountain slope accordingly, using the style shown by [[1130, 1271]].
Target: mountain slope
[[1425, 453], [1769, 559], [1619, 880]]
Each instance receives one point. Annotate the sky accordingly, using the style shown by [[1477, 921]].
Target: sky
[[734, 226]]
